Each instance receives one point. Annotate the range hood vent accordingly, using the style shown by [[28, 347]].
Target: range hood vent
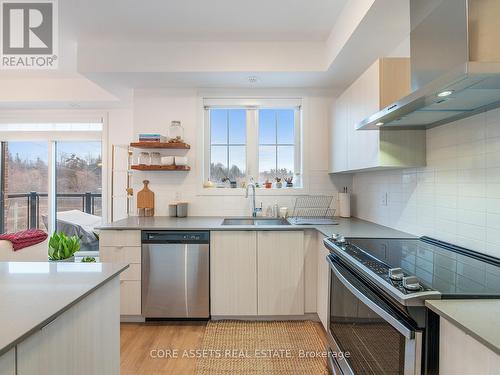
[[455, 64]]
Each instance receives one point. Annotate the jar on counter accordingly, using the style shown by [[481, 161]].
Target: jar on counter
[[144, 158], [155, 158], [176, 132]]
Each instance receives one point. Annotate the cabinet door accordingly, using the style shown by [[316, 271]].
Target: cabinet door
[[338, 135], [280, 264], [323, 283], [8, 363], [233, 273], [83, 340], [364, 101]]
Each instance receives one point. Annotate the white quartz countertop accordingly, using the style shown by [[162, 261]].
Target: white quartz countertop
[[34, 294], [351, 227], [477, 318]]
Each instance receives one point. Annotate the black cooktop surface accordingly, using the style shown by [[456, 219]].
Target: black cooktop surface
[[454, 271]]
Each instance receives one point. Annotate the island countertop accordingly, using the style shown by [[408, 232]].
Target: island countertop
[[477, 317], [349, 227], [34, 294]]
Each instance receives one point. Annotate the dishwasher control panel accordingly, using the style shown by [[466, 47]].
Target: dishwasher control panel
[[175, 237]]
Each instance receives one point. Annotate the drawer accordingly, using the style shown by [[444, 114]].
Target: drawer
[[120, 238], [120, 254], [132, 273], [130, 297]]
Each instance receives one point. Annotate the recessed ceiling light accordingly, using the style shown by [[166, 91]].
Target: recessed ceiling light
[[253, 79], [445, 93], [379, 123]]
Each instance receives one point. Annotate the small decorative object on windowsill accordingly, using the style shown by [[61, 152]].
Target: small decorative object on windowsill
[[268, 184], [233, 184], [289, 181], [88, 260], [279, 184], [63, 248], [208, 184]]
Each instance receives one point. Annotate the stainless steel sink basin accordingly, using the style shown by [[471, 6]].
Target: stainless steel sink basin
[[238, 222], [252, 221]]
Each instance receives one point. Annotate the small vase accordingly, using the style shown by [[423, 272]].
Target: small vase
[[268, 185], [289, 184], [279, 185]]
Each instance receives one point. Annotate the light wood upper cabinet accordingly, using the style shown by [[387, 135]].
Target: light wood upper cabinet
[[280, 264], [386, 81], [233, 273]]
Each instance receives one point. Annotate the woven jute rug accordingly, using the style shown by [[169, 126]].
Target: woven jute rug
[[261, 348]]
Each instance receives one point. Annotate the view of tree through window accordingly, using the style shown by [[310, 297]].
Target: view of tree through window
[[228, 144], [25, 182], [26, 171], [276, 143]]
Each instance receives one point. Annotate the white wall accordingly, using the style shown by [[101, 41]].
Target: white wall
[[456, 198], [155, 109]]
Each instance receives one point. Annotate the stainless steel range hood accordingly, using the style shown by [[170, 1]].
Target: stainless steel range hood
[[455, 65]]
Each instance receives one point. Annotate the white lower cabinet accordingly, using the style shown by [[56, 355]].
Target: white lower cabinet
[[83, 340], [460, 353], [124, 246], [280, 273], [233, 273], [8, 363], [257, 273], [323, 274]]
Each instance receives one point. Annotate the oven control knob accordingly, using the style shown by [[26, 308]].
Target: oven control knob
[[411, 283], [396, 274]]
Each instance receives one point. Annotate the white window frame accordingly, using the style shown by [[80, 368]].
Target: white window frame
[[252, 105]]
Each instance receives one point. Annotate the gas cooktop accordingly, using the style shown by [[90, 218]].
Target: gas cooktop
[[420, 268]]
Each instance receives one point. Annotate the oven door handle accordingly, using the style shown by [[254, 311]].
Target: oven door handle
[[399, 325]]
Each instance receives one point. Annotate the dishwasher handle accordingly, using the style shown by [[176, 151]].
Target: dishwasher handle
[[199, 237]]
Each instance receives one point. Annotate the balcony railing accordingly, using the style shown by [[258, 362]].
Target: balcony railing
[[32, 202]]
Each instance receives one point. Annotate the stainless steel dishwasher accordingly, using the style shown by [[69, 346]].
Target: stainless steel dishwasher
[[175, 274]]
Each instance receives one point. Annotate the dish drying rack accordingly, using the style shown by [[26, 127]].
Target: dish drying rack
[[313, 210]]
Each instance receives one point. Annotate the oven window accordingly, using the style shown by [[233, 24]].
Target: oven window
[[374, 346]]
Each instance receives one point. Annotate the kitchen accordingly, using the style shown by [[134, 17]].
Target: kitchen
[[316, 196]]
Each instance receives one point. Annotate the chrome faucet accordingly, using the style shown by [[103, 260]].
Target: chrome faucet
[[252, 184]]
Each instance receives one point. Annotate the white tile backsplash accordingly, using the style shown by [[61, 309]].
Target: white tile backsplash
[[455, 198]]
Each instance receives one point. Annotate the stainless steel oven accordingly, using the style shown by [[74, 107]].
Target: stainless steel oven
[[367, 333]]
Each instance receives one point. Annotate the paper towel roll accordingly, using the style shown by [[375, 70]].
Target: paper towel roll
[[345, 204]]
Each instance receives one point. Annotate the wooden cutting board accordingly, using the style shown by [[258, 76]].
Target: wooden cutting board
[[145, 197]]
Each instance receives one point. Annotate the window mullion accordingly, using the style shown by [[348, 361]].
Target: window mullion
[[52, 188], [252, 148]]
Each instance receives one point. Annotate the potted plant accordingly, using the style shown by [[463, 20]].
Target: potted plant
[[268, 184], [279, 184], [289, 181], [63, 248]]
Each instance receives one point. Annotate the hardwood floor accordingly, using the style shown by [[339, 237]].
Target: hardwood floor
[[139, 340]]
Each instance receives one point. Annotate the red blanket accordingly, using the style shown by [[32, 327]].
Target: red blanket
[[25, 238]]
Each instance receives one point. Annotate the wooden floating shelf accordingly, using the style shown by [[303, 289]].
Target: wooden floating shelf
[[161, 167], [171, 145]]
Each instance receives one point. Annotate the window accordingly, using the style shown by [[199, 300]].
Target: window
[[276, 143], [51, 178], [260, 142], [228, 145]]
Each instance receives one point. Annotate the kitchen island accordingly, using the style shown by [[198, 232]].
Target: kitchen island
[[59, 318]]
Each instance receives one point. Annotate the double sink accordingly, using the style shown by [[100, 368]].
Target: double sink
[[255, 221]]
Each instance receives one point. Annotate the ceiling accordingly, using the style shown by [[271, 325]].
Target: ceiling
[[200, 20]]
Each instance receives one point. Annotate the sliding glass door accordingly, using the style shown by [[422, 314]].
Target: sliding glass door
[[24, 182], [51, 179], [79, 190]]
